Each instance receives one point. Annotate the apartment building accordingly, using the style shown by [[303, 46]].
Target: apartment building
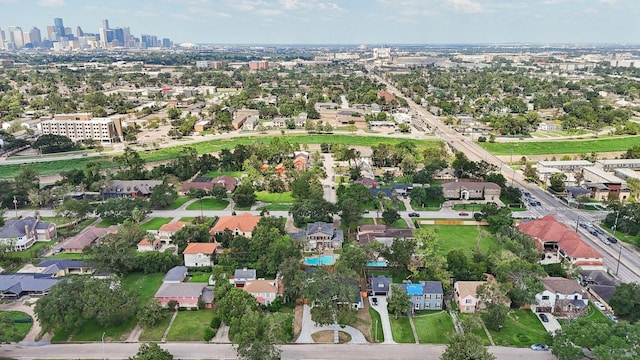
[[82, 126]]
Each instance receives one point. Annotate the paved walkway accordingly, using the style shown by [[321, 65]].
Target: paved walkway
[[309, 328], [26, 306], [166, 332], [381, 309], [222, 335], [134, 335]]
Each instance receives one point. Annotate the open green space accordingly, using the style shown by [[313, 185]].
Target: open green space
[[144, 285], [104, 223], [276, 207], [433, 327], [56, 220], [155, 223], [478, 331], [214, 174], [376, 326], [400, 223], [15, 331], [465, 237], [71, 256], [179, 202], [267, 197], [187, 219], [577, 146], [521, 328], [154, 333], [91, 331], [200, 277], [190, 325], [209, 204], [401, 330]]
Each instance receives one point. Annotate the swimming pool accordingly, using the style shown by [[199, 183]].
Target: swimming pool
[[320, 260], [377, 264]]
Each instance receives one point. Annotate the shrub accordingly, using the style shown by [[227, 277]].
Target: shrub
[[215, 322], [209, 334], [172, 304], [482, 139]]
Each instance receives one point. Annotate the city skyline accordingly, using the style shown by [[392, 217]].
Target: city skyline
[[342, 21]]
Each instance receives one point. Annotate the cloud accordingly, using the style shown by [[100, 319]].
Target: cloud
[[608, 2], [466, 6], [269, 12], [51, 3]]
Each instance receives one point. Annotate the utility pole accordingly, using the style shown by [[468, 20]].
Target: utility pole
[[615, 227]]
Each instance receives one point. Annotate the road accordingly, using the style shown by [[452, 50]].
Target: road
[[629, 264], [225, 351]]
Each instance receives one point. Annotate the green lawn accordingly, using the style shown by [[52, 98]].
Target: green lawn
[[522, 328], [209, 204], [577, 146], [479, 331], [401, 330], [14, 332], [155, 333], [145, 285], [200, 277], [467, 207], [31, 252], [187, 219], [72, 256], [104, 223], [401, 223], [433, 327], [376, 326], [276, 207], [179, 202], [55, 220], [214, 174], [91, 331], [462, 237], [155, 223], [190, 325], [284, 197]]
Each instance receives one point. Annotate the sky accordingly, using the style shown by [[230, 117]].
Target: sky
[[343, 21]]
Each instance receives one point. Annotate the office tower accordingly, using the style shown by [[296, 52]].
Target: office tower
[[126, 33], [35, 36], [16, 37], [58, 27], [51, 32], [103, 37], [118, 34], [79, 31], [105, 24], [149, 40], [166, 43], [3, 44]]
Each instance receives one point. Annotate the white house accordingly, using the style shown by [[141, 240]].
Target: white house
[[199, 254], [560, 295]]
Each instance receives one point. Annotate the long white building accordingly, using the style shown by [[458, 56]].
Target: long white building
[[82, 126]]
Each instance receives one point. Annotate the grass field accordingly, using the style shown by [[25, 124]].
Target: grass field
[[401, 330], [187, 219], [179, 202], [31, 252], [577, 146], [145, 285], [155, 333], [401, 223], [276, 207], [463, 237], [55, 220], [209, 204], [104, 223], [214, 174], [190, 325], [284, 197], [14, 332], [200, 277], [522, 328], [155, 223], [376, 326], [72, 256], [434, 327]]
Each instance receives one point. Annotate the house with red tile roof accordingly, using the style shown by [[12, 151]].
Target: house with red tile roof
[[166, 231], [199, 254], [242, 224], [149, 245], [552, 236]]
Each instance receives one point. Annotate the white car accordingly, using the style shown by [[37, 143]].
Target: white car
[[599, 305]]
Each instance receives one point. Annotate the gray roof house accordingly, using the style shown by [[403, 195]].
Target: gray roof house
[[15, 286], [242, 276], [62, 267], [380, 285], [322, 235], [20, 234], [187, 295], [426, 295], [175, 275], [134, 188]]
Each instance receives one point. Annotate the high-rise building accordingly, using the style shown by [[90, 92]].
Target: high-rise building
[[126, 33], [58, 26], [51, 32], [149, 40], [79, 32], [118, 34], [105, 24], [3, 45], [166, 43], [34, 36], [16, 37], [103, 37]]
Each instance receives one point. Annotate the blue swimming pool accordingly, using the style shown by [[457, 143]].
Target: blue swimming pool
[[320, 260], [377, 264]]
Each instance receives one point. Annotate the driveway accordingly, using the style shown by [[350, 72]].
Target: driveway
[[26, 305], [381, 309], [309, 327], [552, 325], [328, 184]]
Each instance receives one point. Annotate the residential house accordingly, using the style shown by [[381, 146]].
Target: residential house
[[146, 245], [322, 235], [15, 286], [469, 190], [465, 294], [265, 291], [207, 183], [301, 160], [186, 294], [426, 295], [62, 267], [242, 224], [21, 234], [604, 191], [382, 233], [166, 231], [599, 284], [199, 254], [367, 182], [380, 285], [242, 276], [445, 175], [558, 241], [87, 237], [133, 188], [175, 275], [560, 296]]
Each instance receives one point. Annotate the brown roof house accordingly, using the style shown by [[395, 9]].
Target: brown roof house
[[469, 190], [88, 236], [382, 233], [242, 224], [265, 291], [133, 188], [146, 245], [206, 183], [166, 231]]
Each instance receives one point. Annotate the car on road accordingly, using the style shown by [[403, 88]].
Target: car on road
[[583, 225], [605, 241], [532, 203], [540, 347], [612, 317], [463, 214], [612, 239], [414, 214], [599, 305], [374, 300], [538, 203], [593, 232], [598, 230], [544, 317]]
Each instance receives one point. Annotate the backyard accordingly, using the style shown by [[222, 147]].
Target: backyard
[[155, 223]]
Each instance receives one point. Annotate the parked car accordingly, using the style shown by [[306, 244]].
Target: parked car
[[414, 214], [544, 317], [612, 239], [463, 214], [612, 317], [540, 347], [374, 300], [599, 305]]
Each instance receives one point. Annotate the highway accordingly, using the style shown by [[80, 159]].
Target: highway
[[629, 264]]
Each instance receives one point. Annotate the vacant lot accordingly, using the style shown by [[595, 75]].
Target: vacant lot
[[401, 330], [522, 328], [562, 147], [465, 237], [155, 333], [284, 197], [433, 327], [209, 204], [155, 223], [190, 325], [14, 332]]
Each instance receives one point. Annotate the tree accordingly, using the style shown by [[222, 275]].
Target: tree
[[190, 233], [244, 196], [332, 292], [556, 181], [112, 253], [254, 337], [49, 143], [496, 179], [390, 216], [312, 210], [466, 346], [353, 258], [152, 351], [399, 253], [162, 196], [495, 315], [131, 165], [399, 302], [118, 210], [603, 339], [150, 313], [625, 301], [73, 209]]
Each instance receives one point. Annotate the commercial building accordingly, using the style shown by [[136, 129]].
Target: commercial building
[[83, 126]]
